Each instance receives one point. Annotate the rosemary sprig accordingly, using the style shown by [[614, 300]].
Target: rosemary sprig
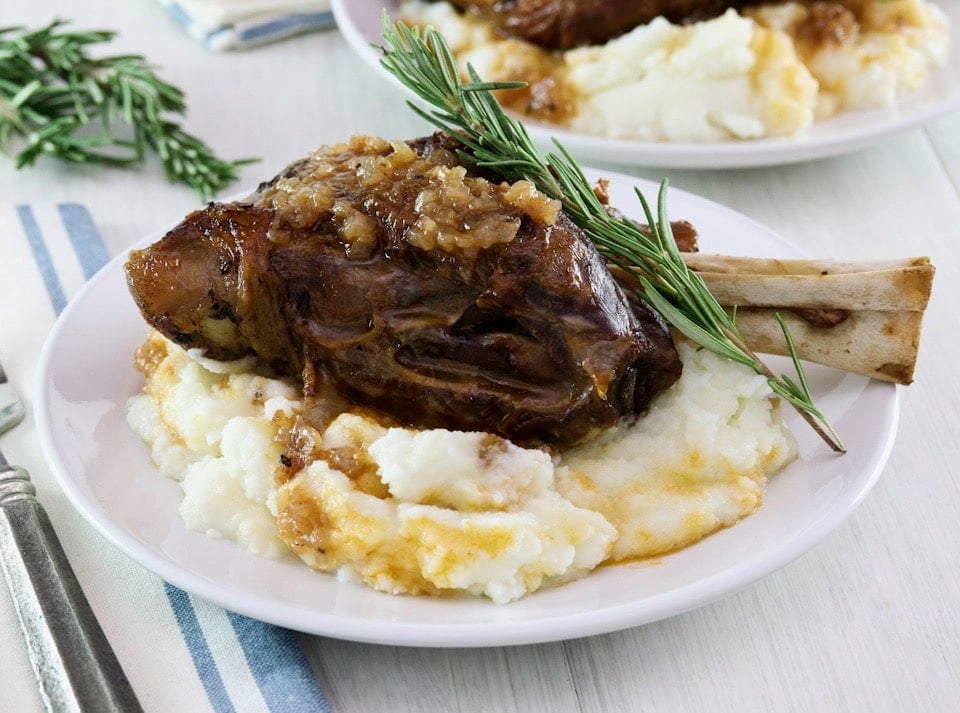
[[492, 139], [110, 110]]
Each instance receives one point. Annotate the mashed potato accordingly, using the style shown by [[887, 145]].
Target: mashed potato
[[771, 71], [695, 463], [439, 512], [465, 512]]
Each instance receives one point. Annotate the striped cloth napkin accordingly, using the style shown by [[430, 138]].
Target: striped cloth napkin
[[181, 653], [241, 24]]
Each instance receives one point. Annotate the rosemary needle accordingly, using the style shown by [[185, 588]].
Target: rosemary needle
[[65, 103], [492, 139]]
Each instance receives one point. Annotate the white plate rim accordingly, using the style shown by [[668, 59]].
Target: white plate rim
[[844, 134], [493, 633]]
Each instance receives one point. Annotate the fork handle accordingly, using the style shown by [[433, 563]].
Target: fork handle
[[71, 657]]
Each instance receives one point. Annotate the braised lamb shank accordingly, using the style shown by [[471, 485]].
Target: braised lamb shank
[[393, 276], [562, 24]]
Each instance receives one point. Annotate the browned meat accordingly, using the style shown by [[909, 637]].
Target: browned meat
[[561, 24], [396, 278]]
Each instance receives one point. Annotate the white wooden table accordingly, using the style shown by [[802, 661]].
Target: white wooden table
[[869, 620]]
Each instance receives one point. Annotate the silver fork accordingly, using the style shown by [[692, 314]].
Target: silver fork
[[71, 657]]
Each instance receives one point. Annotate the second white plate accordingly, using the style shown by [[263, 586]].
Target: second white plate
[[360, 21]]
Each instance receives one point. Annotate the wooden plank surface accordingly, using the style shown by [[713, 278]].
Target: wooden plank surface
[[866, 621]]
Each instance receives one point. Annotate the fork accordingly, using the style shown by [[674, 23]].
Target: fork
[[71, 657]]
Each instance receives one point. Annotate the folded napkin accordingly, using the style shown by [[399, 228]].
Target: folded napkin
[[240, 24], [180, 652]]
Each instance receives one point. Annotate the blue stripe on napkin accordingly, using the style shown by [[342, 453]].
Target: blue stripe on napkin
[[274, 656], [84, 237], [283, 27], [41, 255], [280, 667], [199, 649]]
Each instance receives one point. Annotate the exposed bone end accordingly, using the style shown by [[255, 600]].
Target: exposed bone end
[[863, 317], [887, 285], [881, 345]]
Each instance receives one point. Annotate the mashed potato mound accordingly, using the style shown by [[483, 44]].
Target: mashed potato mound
[[695, 463], [440, 512], [771, 71], [456, 518], [216, 427]]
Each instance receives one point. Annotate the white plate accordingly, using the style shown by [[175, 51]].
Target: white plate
[[361, 25], [86, 376]]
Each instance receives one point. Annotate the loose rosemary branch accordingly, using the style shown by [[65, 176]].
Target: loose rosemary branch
[[494, 140], [103, 111]]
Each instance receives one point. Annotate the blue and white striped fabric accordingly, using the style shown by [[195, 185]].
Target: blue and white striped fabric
[[240, 24], [180, 652]]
